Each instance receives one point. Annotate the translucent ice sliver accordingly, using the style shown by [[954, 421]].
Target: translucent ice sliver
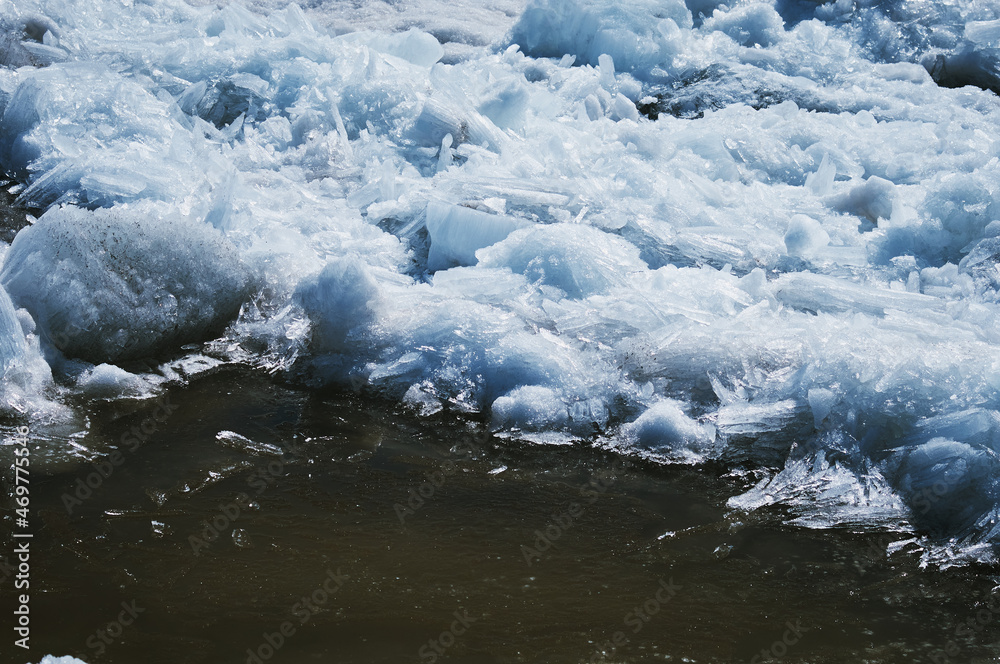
[[12, 343], [457, 232]]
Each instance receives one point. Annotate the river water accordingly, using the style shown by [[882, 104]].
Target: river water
[[375, 536]]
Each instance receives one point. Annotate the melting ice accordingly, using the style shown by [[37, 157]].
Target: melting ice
[[764, 232]]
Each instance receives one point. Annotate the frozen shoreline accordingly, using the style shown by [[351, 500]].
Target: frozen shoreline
[[793, 268]]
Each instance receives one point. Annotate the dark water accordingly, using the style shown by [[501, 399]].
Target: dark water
[[324, 500]]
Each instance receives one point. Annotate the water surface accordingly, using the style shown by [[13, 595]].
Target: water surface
[[325, 484]]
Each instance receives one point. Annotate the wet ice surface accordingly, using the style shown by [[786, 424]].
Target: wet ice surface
[[791, 270]]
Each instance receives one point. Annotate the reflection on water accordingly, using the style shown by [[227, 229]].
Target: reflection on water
[[256, 523]]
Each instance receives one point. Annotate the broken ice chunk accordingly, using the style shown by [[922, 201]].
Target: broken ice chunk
[[456, 232], [580, 260], [108, 381], [12, 342], [753, 24], [530, 408], [821, 401], [666, 427], [338, 299], [805, 236], [244, 444], [821, 182], [818, 292], [752, 418], [127, 282], [984, 33], [948, 484], [763, 432], [447, 116], [874, 199], [506, 106], [414, 46]]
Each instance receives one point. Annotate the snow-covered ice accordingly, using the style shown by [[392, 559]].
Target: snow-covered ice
[[759, 232], [125, 282]]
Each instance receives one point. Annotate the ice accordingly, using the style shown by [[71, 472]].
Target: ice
[[106, 381], [761, 432], [27, 40], [873, 200], [821, 182], [815, 292], [756, 419], [984, 33], [823, 494], [442, 117], [580, 261], [58, 115], [338, 299], [52, 659], [666, 427], [507, 105], [189, 366], [588, 30], [125, 282], [415, 46], [531, 408], [463, 27], [821, 402], [948, 484], [24, 374], [13, 345], [457, 232], [759, 233], [749, 24], [805, 236]]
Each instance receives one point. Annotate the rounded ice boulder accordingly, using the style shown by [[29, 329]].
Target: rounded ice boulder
[[532, 408], [665, 427], [578, 259], [127, 282], [341, 298], [805, 236]]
